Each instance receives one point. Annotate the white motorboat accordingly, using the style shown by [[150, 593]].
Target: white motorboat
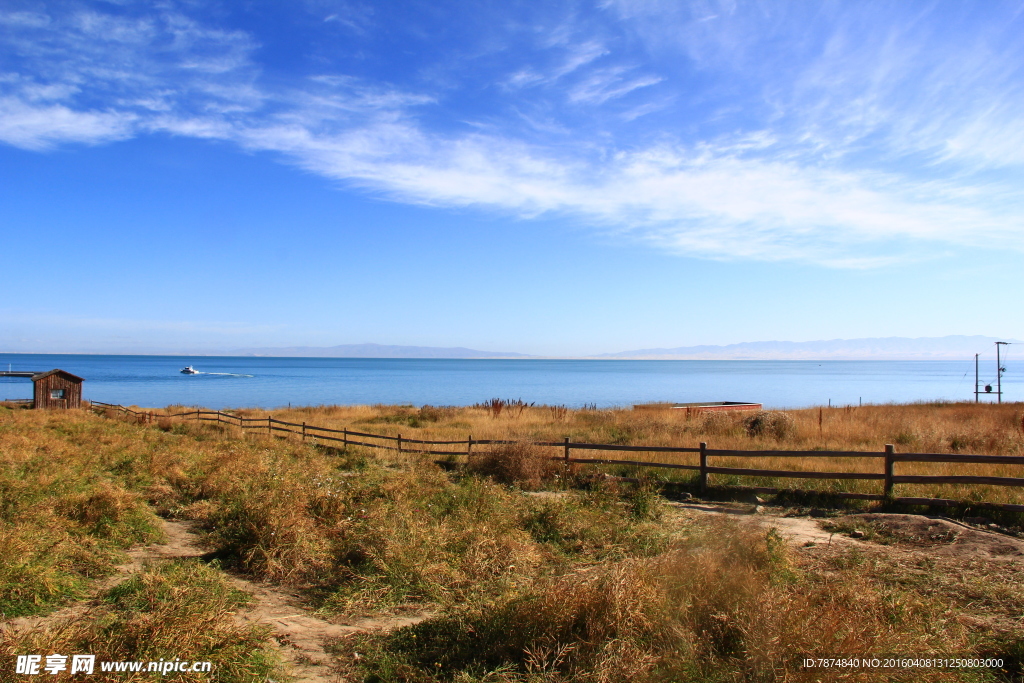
[[189, 370]]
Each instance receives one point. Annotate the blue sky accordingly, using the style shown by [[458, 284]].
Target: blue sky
[[551, 178]]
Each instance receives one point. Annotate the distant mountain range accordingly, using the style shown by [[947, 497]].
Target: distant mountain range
[[376, 351], [954, 347]]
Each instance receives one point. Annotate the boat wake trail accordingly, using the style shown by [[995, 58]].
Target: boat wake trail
[[224, 374]]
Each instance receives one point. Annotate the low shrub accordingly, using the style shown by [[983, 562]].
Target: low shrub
[[905, 438], [645, 500], [517, 463], [108, 511], [715, 423], [437, 413], [770, 423]]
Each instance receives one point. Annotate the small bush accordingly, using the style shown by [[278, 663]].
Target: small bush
[[714, 423], [771, 423], [905, 438], [266, 529], [108, 511], [516, 463], [645, 501], [437, 413], [961, 442]]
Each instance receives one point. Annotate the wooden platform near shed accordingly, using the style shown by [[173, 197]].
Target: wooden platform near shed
[[700, 407]]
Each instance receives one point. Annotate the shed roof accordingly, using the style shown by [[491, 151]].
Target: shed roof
[[57, 371]]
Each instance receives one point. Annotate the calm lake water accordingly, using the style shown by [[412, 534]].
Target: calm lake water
[[155, 381]]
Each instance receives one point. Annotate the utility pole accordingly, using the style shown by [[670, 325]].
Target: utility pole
[[976, 377], [999, 372]]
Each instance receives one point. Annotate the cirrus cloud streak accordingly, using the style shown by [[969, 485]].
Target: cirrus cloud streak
[[873, 182]]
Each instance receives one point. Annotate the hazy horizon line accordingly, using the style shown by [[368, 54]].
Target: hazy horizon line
[[949, 347]]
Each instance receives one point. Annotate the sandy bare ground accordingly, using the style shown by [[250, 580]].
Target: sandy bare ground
[[931, 535], [800, 532], [300, 635], [934, 536]]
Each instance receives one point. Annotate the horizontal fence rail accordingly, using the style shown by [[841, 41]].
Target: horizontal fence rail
[[348, 437], [797, 454]]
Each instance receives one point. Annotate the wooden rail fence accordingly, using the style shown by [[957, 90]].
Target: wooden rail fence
[[888, 476]]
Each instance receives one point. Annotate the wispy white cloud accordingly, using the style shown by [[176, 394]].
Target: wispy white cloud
[[24, 19], [898, 80], [909, 93], [39, 127], [92, 77], [608, 84], [580, 55], [573, 58], [811, 166], [710, 201]]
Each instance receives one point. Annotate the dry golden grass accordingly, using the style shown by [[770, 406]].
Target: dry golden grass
[[515, 463], [353, 529], [178, 610], [965, 428], [727, 604], [595, 585]]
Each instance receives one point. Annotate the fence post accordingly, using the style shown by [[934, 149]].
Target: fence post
[[703, 467], [567, 449], [399, 443], [344, 435], [890, 465], [303, 431], [269, 427], [469, 447]]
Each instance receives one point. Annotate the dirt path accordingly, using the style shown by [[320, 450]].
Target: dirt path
[[180, 543], [915, 534], [300, 636], [800, 532]]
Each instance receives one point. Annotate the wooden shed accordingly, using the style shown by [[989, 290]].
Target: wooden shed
[[56, 389]]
